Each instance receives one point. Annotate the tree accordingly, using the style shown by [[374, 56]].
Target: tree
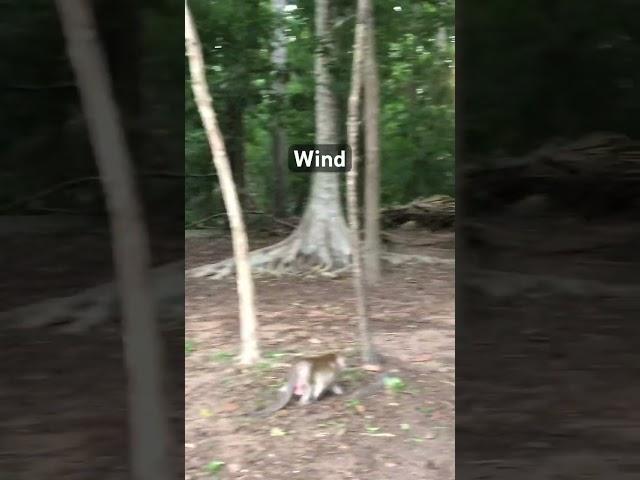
[[353, 124], [372, 150], [147, 411], [279, 134], [250, 352], [322, 237]]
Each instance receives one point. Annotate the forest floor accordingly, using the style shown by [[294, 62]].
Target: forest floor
[[407, 434], [63, 403]]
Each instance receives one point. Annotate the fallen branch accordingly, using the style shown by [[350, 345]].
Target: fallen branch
[[435, 212], [431, 240]]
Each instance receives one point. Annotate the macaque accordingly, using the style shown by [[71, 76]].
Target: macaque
[[309, 378]]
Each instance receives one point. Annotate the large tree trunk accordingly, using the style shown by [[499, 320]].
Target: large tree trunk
[[323, 228], [372, 152], [142, 342], [279, 135], [248, 323], [353, 124]]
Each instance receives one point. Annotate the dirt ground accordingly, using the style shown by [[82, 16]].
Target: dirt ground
[[547, 349], [404, 434], [63, 404]]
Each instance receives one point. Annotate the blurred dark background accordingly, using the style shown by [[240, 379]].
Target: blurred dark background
[[547, 158], [44, 140], [63, 400]]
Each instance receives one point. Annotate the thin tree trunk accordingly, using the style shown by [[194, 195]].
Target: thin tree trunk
[[279, 135], [148, 417], [368, 354], [372, 152], [250, 352], [279, 155]]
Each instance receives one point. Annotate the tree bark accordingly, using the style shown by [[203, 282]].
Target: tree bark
[[323, 225], [148, 417], [250, 352], [279, 134], [366, 343], [372, 267]]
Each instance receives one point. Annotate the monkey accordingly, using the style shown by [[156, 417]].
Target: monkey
[[309, 378]]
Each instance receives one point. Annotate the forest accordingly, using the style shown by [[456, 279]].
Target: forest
[[380, 77], [415, 57], [102, 376]]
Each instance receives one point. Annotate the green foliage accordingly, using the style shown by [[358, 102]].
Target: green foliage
[[417, 116], [214, 467], [395, 384]]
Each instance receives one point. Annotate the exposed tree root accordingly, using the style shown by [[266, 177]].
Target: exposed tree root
[[402, 258], [295, 254], [82, 311], [288, 257], [503, 285]]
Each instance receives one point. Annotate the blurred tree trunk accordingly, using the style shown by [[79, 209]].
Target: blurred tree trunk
[[372, 151], [279, 134], [149, 422], [353, 124], [250, 352]]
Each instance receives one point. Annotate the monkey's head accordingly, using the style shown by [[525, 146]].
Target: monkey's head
[[341, 362]]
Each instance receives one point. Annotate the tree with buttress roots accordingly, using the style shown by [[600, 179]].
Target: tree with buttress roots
[[321, 240]]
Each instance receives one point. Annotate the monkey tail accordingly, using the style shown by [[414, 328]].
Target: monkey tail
[[370, 388], [284, 399]]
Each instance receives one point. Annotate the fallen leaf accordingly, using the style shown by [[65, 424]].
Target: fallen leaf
[[422, 358], [229, 407], [277, 432], [205, 412], [360, 408], [314, 341]]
